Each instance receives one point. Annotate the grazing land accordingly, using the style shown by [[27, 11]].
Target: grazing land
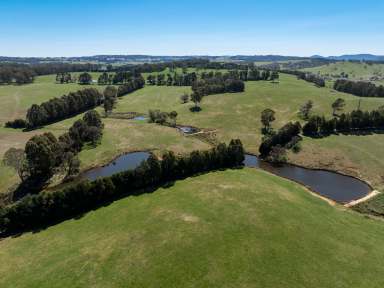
[[229, 115], [355, 70], [240, 228]]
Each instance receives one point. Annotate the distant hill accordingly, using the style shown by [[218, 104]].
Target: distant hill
[[353, 57]]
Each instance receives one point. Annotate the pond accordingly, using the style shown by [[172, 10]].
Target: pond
[[335, 186], [140, 118], [188, 129], [122, 163]]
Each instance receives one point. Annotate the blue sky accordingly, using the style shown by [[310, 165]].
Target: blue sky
[[195, 27]]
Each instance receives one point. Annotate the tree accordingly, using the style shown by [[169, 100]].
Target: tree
[[42, 155], [173, 116], [93, 118], [36, 115], [15, 158], [306, 109], [110, 96], [267, 117], [85, 78], [274, 76], [196, 98], [338, 105], [184, 98], [93, 134]]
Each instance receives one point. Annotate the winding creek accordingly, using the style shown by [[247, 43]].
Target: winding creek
[[332, 185]]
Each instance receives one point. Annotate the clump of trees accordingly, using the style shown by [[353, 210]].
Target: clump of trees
[[45, 208], [359, 88], [44, 155], [162, 118], [217, 85], [85, 78], [16, 124], [287, 136], [65, 77], [57, 109], [306, 76], [346, 123]]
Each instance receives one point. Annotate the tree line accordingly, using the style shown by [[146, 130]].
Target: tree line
[[359, 88], [347, 122], [57, 109], [306, 76], [35, 211], [74, 103], [17, 74], [184, 79]]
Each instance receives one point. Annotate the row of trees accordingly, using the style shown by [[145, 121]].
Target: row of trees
[[60, 108], [184, 79], [44, 155], [46, 208], [347, 122], [359, 88], [248, 74], [306, 76]]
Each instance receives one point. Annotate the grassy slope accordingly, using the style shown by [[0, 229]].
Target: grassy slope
[[237, 116], [242, 228], [356, 71]]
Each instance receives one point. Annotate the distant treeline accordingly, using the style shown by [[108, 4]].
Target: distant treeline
[[189, 79], [283, 137], [24, 73], [347, 122], [46, 208], [309, 77], [359, 88], [15, 73]]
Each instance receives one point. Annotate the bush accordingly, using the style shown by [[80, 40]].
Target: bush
[[16, 124]]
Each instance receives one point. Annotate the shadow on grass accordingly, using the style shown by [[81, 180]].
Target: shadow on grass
[[78, 216]]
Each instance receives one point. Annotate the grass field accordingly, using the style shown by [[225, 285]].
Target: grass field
[[16, 99], [355, 70], [241, 228], [232, 115]]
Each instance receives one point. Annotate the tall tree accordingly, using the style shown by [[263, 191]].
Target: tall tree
[[196, 98], [338, 105], [110, 96], [267, 117], [306, 109]]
